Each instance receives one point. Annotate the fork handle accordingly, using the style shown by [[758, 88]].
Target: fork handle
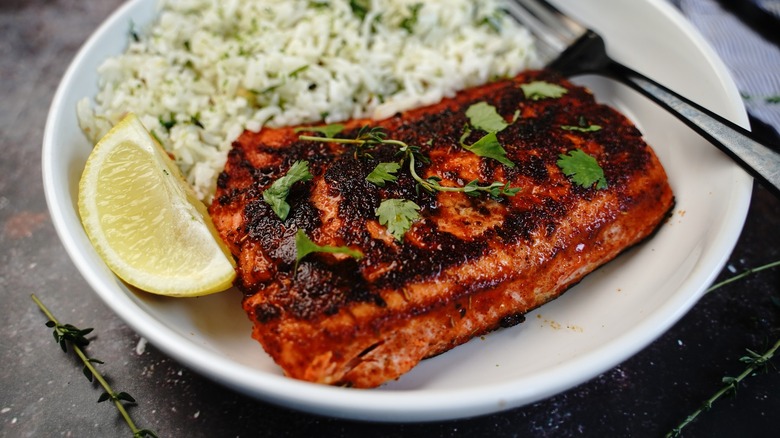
[[756, 158]]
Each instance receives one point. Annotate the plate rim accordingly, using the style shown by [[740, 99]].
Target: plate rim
[[377, 405]]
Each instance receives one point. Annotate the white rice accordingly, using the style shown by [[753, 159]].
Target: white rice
[[217, 67]]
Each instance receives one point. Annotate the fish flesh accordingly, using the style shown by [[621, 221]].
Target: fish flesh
[[466, 265]]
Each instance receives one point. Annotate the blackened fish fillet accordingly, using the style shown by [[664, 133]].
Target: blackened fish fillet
[[470, 264]]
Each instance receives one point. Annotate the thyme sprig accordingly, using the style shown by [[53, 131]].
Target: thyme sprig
[[743, 275], [369, 137], [755, 361], [65, 334]]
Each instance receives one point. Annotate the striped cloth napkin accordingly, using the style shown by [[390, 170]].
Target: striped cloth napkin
[[771, 6], [754, 62]]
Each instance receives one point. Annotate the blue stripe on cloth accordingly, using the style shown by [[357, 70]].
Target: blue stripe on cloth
[[753, 61], [771, 6]]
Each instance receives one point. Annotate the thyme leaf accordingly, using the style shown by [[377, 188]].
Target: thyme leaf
[[743, 275], [67, 334], [754, 360], [589, 128], [495, 189], [410, 154], [582, 126], [328, 131]]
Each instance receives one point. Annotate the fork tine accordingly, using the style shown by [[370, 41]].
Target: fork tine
[[569, 48], [548, 44], [553, 30], [555, 19]]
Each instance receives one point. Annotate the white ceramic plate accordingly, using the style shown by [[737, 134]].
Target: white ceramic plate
[[611, 315]]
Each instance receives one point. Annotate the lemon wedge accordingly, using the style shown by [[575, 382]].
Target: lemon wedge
[[144, 219]]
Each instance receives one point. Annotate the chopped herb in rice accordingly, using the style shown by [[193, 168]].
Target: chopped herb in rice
[[205, 70]]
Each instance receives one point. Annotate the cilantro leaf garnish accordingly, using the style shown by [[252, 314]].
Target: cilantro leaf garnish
[[484, 116], [329, 131], [397, 215], [582, 169], [276, 194], [305, 246], [538, 90], [383, 173], [489, 147]]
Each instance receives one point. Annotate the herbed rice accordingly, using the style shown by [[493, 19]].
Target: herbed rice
[[205, 70]]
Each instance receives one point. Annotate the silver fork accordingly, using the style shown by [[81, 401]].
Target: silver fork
[[575, 49]]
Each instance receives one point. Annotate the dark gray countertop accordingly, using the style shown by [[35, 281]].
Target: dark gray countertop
[[44, 393]]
